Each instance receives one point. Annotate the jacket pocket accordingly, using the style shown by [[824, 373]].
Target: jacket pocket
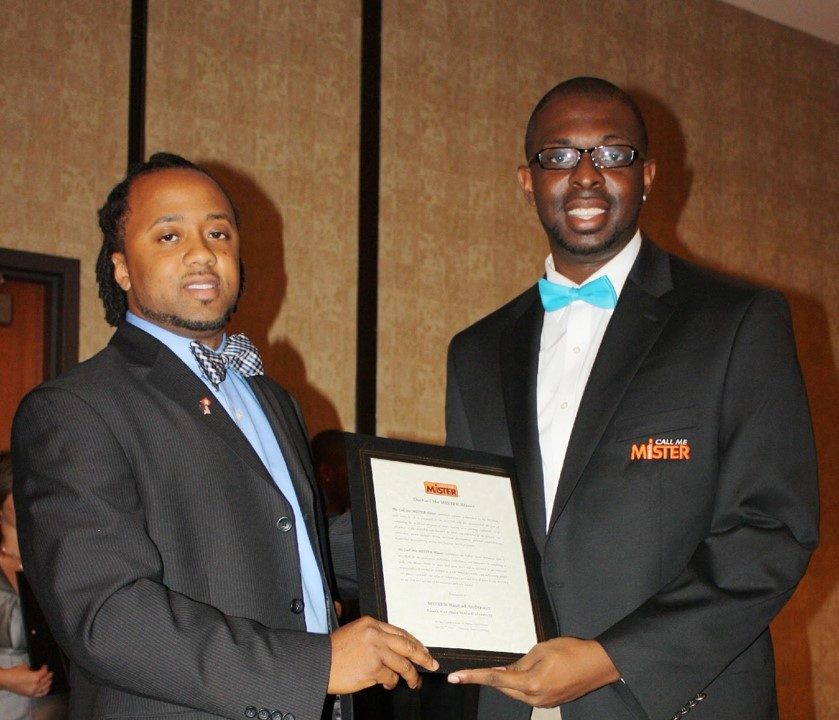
[[666, 421]]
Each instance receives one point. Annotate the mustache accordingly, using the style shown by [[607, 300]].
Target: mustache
[[587, 195]]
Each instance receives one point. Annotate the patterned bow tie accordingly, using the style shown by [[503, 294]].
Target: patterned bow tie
[[599, 293], [239, 353]]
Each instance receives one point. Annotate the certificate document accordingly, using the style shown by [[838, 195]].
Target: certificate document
[[440, 534]]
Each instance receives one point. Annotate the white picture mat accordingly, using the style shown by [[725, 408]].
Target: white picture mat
[[453, 566]]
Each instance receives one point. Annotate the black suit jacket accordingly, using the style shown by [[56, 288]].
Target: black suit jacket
[[675, 565], [151, 535]]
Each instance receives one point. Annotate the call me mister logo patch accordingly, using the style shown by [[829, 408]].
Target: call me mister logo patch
[[661, 449]]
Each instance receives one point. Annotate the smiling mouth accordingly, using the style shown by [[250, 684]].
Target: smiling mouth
[[207, 282], [201, 286], [585, 213]]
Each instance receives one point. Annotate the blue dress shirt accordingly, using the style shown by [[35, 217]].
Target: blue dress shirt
[[238, 399]]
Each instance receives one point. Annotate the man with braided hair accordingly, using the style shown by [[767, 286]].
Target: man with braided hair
[[168, 511]]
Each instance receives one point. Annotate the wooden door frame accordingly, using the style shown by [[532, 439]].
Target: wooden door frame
[[60, 275]]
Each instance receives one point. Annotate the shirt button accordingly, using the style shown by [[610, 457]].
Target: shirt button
[[296, 606], [250, 711], [284, 524], [577, 350], [564, 405]]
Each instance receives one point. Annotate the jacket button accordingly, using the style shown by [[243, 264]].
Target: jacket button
[[264, 714], [296, 606], [289, 716], [276, 715], [284, 524], [250, 711]]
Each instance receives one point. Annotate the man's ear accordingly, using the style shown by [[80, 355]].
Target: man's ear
[[121, 270], [526, 184]]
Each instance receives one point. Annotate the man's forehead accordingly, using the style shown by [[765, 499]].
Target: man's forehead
[[599, 118], [171, 186], [176, 177]]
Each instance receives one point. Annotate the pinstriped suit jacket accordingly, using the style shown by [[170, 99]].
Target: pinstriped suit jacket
[[150, 534]]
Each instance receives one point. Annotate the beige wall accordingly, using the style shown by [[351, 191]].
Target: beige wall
[[64, 95], [743, 118]]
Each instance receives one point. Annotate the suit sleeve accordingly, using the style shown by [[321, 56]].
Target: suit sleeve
[[102, 584], [762, 531]]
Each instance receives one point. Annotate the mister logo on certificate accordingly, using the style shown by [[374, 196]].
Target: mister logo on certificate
[[442, 550]]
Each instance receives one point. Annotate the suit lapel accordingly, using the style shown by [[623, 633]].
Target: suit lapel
[[291, 436], [638, 320], [176, 381], [519, 350], [282, 416]]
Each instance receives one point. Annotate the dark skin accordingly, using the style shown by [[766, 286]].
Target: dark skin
[[589, 215], [180, 270], [330, 462], [180, 266]]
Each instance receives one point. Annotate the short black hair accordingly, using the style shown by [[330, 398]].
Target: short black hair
[[112, 216], [592, 87]]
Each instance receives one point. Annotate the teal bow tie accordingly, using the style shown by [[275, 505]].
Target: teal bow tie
[[599, 293]]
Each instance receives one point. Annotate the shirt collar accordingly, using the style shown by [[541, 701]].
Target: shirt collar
[[178, 344], [617, 269]]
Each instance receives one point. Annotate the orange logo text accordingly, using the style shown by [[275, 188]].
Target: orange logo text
[[660, 449], [433, 488]]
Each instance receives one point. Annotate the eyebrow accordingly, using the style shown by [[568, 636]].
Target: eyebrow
[[567, 142], [165, 219], [179, 218]]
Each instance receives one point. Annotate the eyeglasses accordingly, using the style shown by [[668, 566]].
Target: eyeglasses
[[603, 156]]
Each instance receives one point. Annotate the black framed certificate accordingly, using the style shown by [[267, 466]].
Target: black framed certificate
[[443, 552]]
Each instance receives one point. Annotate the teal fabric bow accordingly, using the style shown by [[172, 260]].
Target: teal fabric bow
[[599, 293]]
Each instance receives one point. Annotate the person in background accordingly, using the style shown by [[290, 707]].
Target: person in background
[[23, 691], [329, 458], [662, 441]]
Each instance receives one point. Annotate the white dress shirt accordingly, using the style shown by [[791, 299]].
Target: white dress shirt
[[571, 337], [570, 340]]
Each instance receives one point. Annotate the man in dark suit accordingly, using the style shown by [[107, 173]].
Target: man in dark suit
[[168, 511], [661, 437]]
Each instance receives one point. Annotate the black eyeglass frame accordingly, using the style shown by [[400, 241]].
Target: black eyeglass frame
[[636, 155]]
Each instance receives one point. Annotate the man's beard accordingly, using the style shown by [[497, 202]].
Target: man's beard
[[172, 320], [619, 236], [554, 234]]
